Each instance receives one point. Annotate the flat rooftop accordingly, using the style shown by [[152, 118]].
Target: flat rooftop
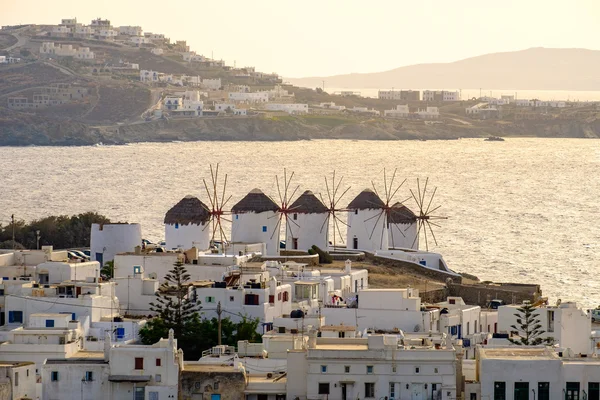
[[342, 346], [518, 353], [15, 363], [208, 368]]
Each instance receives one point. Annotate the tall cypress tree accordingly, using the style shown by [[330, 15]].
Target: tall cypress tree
[[528, 327], [172, 304]]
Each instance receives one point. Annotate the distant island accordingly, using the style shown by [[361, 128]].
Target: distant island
[[85, 84], [531, 69]]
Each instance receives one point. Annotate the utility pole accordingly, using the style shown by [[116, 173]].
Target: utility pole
[[323, 85], [12, 219], [219, 312]]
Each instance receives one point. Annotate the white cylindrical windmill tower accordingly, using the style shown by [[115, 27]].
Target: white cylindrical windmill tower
[[308, 224], [255, 220], [402, 225], [367, 223], [187, 225]]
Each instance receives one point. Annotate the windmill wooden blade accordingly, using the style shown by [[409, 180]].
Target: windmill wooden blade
[[277, 227], [338, 229], [326, 222], [418, 233], [375, 226], [431, 230]]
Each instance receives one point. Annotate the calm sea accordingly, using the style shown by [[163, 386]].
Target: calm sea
[[523, 210]]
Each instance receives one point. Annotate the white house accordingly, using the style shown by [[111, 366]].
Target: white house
[[110, 239], [255, 220], [402, 227], [157, 51], [394, 366], [428, 113], [568, 325], [531, 373], [367, 228], [524, 103], [254, 97], [290, 108], [364, 110], [149, 76], [187, 225], [120, 372], [401, 111], [66, 50], [263, 300], [18, 380], [440, 95], [130, 30], [309, 223], [84, 32], [385, 309], [138, 40]]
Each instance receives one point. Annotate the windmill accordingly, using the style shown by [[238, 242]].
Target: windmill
[[217, 200], [285, 201], [389, 209], [334, 197], [425, 216]]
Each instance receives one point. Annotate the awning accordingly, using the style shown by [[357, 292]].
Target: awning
[[347, 382], [129, 378]]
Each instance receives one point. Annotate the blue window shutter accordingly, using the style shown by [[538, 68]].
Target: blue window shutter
[[264, 228], [73, 317], [11, 316], [49, 323]]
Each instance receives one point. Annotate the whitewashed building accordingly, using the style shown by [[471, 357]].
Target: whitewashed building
[[428, 113], [66, 50], [212, 84], [385, 309], [130, 30], [532, 373], [378, 366], [187, 225], [441, 95], [290, 108], [157, 51], [110, 239], [403, 229], [120, 372], [149, 76], [17, 380], [309, 223], [568, 325], [367, 228], [401, 111], [245, 97], [255, 220]]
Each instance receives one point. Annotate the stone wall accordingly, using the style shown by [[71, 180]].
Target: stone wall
[[482, 294], [434, 296], [205, 380], [303, 259], [413, 269]]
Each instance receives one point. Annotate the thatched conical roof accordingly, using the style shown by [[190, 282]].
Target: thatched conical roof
[[189, 210], [308, 203], [400, 214], [367, 199], [255, 201]]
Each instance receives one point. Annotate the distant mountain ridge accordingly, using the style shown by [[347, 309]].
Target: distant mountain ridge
[[532, 69]]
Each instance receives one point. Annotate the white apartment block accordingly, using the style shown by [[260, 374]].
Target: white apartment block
[[84, 32], [405, 366], [106, 33], [291, 108], [440, 95], [244, 97], [66, 50]]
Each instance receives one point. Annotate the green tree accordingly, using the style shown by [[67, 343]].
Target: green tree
[[108, 270], [324, 257], [172, 303], [528, 327]]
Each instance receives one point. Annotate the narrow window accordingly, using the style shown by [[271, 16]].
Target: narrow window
[[323, 368], [16, 379], [158, 362], [158, 379], [89, 376], [392, 390], [369, 369], [544, 391], [417, 370], [139, 363], [499, 390], [54, 376], [347, 369], [264, 228], [369, 389]]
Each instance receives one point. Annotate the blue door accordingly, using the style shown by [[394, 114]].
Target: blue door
[[120, 333], [215, 397], [460, 331], [99, 257]]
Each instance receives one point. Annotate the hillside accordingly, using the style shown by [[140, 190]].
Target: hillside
[[534, 69]]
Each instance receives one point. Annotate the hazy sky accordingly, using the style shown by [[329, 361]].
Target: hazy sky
[[326, 37]]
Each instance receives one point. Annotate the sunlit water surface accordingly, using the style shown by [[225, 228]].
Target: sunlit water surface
[[523, 210]]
